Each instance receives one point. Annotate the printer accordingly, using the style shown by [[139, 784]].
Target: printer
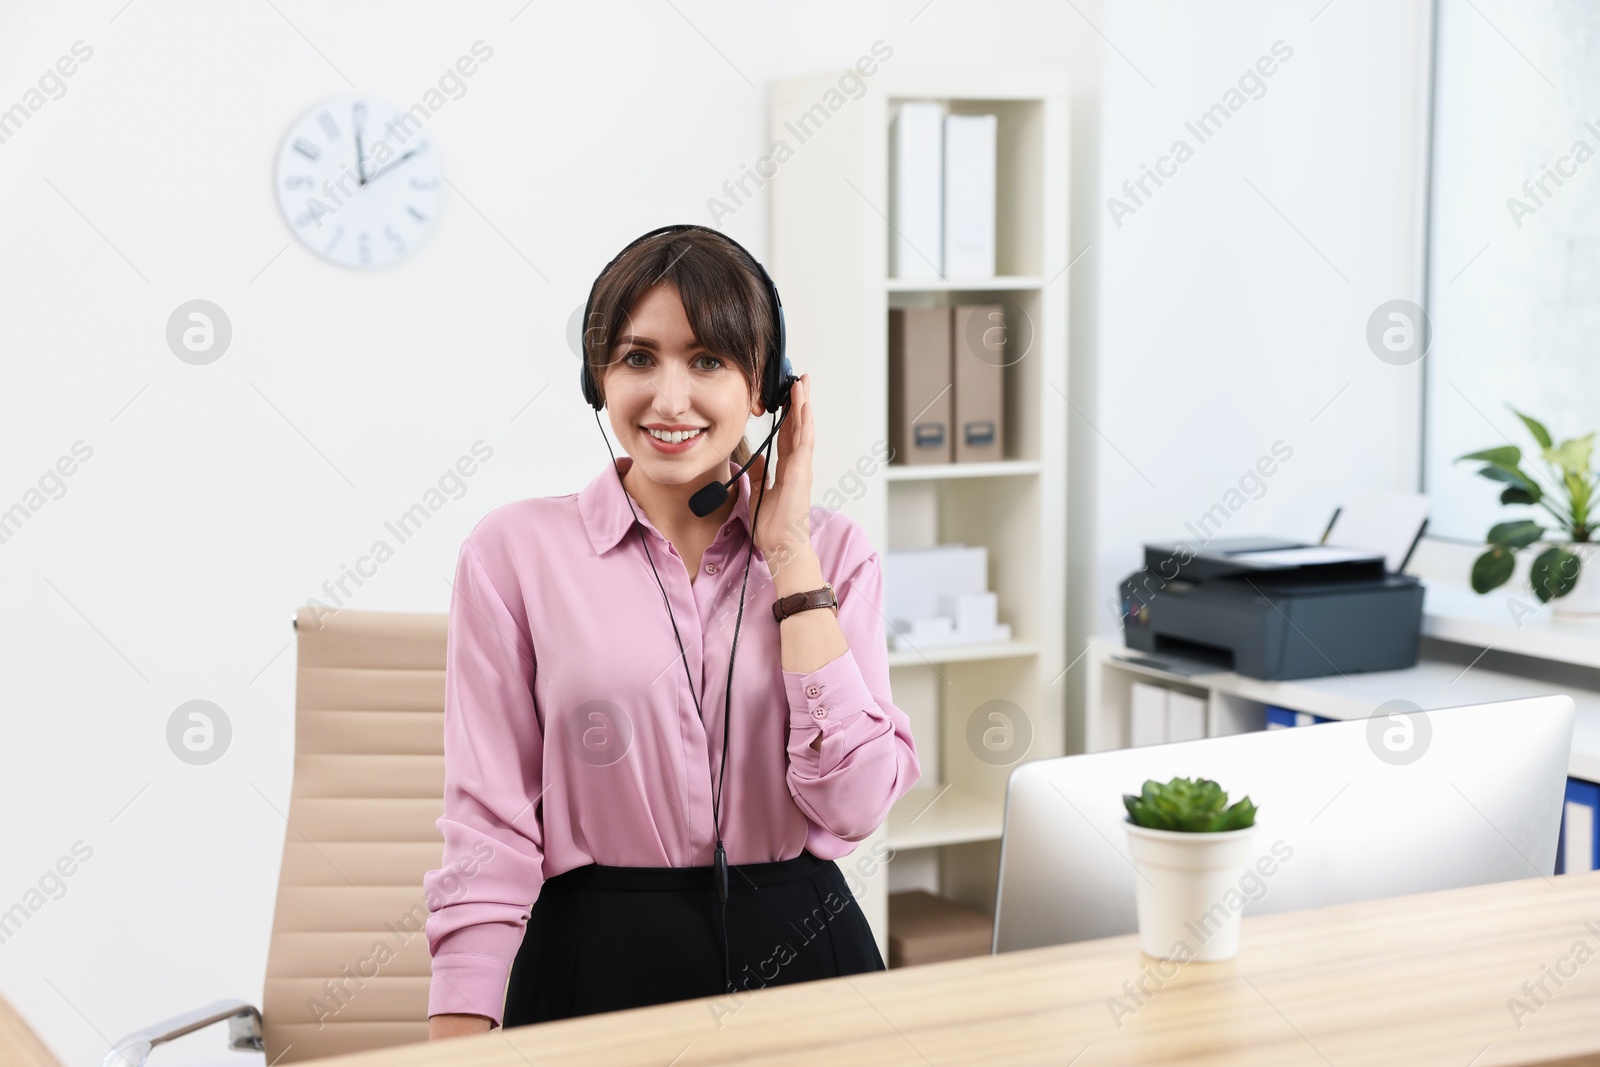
[[1273, 609]]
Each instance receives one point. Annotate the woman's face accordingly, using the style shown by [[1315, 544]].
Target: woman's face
[[662, 378]]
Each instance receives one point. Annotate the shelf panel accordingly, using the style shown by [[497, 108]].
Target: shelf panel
[[932, 815], [1430, 684], [956, 285], [1455, 613], [929, 471], [961, 653]]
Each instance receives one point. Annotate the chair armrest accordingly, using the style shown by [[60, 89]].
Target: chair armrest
[[244, 1032]]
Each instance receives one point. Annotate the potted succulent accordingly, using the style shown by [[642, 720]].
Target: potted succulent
[[1556, 575], [1190, 848]]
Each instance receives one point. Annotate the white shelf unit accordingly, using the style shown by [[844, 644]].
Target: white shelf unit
[[1237, 704], [1453, 612], [829, 255]]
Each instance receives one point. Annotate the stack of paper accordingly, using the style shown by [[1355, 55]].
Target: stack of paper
[[940, 596]]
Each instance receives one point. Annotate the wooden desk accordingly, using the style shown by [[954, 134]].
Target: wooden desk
[[1411, 980]]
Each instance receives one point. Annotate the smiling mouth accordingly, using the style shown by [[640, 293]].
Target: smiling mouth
[[675, 437]]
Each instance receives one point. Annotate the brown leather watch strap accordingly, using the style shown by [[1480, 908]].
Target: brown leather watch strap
[[783, 607]]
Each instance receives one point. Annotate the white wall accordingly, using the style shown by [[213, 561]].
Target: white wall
[[1234, 300], [219, 498]]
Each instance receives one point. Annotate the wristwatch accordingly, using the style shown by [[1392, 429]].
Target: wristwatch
[[783, 607]]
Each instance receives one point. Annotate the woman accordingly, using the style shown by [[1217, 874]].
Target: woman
[[592, 637]]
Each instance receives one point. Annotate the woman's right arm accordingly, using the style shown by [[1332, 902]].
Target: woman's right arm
[[478, 899]]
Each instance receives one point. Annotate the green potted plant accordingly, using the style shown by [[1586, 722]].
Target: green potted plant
[[1189, 848], [1556, 574]]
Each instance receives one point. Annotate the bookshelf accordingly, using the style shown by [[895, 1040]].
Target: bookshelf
[[1446, 675], [828, 251]]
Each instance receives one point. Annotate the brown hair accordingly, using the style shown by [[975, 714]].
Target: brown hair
[[724, 298]]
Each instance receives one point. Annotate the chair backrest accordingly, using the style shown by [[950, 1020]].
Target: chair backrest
[[348, 967], [19, 1045]]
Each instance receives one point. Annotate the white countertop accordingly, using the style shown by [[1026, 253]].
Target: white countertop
[[1509, 621]]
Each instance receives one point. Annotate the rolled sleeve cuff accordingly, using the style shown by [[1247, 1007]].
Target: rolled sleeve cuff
[[467, 983], [831, 699], [829, 695]]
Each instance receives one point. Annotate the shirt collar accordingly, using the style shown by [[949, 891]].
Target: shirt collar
[[608, 511]]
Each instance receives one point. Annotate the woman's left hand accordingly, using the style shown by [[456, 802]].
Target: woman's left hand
[[784, 525]]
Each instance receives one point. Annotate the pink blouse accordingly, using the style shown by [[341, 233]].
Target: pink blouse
[[570, 736]]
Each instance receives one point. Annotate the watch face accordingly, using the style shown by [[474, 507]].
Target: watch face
[[358, 182]]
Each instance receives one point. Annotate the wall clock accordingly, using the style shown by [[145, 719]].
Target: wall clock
[[358, 182]]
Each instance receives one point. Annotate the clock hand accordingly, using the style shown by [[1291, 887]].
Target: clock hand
[[357, 114], [397, 162]]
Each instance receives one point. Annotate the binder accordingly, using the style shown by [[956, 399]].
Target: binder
[[920, 385], [977, 342], [1158, 715], [969, 201], [916, 174], [1284, 718], [1186, 717], [1147, 722], [1280, 718], [1578, 848]]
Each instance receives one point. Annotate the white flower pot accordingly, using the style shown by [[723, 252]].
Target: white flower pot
[[1583, 602], [1188, 895]]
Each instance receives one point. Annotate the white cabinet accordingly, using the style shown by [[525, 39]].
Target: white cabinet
[[978, 710]]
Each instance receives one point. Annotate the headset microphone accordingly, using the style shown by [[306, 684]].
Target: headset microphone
[[713, 495]]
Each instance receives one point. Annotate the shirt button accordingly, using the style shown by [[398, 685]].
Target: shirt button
[[820, 713], [711, 568], [812, 691]]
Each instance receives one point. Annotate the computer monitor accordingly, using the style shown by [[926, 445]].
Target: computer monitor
[[1394, 804]]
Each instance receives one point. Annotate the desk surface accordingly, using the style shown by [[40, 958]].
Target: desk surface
[[1418, 980]]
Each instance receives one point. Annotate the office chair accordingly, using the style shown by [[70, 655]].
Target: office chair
[[368, 788]]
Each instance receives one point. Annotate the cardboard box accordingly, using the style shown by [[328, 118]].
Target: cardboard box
[[924, 928]]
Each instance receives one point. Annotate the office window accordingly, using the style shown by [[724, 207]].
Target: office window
[[1513, 243]]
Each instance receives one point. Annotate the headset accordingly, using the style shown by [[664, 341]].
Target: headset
[[776, 381]]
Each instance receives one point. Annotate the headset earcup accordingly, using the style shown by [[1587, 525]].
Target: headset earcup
[[777, 385], [779, 370], [590, 393]]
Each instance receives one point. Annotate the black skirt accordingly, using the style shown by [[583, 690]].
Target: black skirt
[[607, 938]]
